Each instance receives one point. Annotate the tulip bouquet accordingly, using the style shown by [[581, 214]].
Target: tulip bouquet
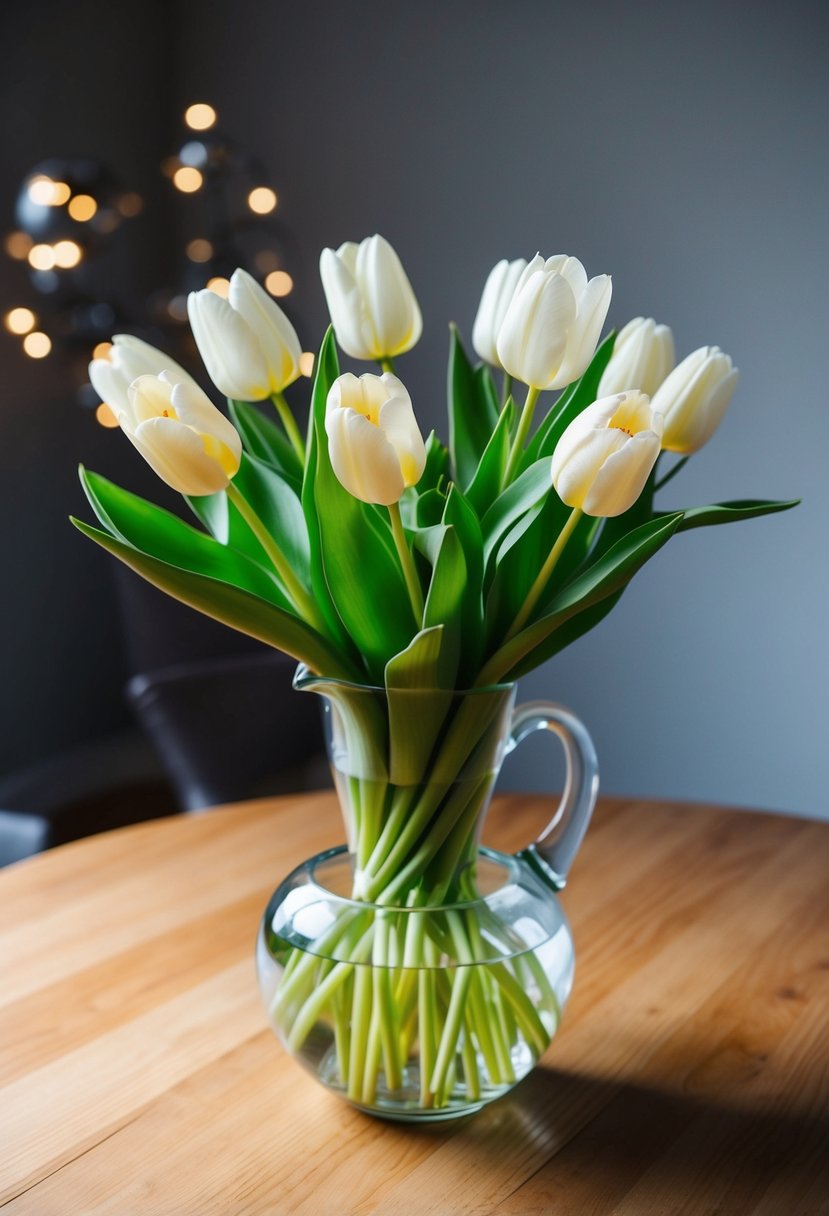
[[392, 565]]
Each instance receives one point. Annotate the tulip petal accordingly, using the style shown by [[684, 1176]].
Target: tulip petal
[[389, 299], [109, 384], [549, 318], [398, 424], [362, 458], [585, 330], [135, 358], [229, 348], [178, 456], [621, 478], [277, 337], [484, 328], [195, 409], [346, 307]]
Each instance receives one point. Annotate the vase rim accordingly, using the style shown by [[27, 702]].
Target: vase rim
[[305, 679]]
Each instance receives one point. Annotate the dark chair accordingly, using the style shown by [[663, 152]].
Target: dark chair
[[231, 728]]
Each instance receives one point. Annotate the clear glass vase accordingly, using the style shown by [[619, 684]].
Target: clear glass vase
[[411, 971]]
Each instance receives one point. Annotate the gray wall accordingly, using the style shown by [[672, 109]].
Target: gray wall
[[681, 148]]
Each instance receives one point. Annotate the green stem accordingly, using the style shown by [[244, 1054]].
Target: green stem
[[387, 365], [671, 474], [544, 575], [289, 422], [506, 389], [524, 424], [407, 562], [299, 597]]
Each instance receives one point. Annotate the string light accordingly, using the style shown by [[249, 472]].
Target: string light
[[37, 345], [279, 283], [102, 350], [67, 254], [262, 200], [187, 179], [177, 308], [82, 207], [43, 192], [130, 205], [306, 363], [199, 250], [200, 116], [41, 257], [219, 285], [20, 320], [17, 245], [106, 416]]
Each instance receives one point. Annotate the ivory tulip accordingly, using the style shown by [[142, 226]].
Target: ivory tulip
[[181, 434], [604, 457], [495, 300], [248, 345], [129, 359], [694, 399], [642, 357], [552, 324], [373, 308], [374, 442]]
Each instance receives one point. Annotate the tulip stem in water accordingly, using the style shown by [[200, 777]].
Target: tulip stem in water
[[524, 424], [297, 594], [407, 562], [289, 423], [544, 575]]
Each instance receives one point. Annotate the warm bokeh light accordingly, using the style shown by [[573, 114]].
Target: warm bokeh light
[[199, 116], [20, 320], [17, 245], [43, 192], [266, 260], [41, 257], [37, 345], [220, 285], [262, 200], [306, 363], [279, 283], [102, 350], [187, 179], [82, 207], [199, 250], [130, 204], [67, 254], [105, 414]]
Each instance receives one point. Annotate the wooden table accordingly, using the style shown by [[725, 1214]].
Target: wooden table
[[691, 1075]]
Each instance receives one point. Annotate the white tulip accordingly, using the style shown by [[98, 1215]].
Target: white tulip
[[694, 399], [128, 359], [248, 345], [643, 355], [181, 434], [495, 300], [553, 322], [373, 308], [604, 457], [374, 442]]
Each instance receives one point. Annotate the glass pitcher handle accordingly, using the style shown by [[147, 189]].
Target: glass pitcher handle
[[553, 851]]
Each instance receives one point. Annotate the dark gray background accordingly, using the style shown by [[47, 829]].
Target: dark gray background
[[680, 148]]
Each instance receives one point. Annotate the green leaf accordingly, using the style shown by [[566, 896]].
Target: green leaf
[[444, 601], [349, 557], [417, 705], [164, 536], [524, 493], [575, 398], [459, 514], [731, 512], [436, 469], [569, 632], [229, 604], [473, 411], [262, 438], [604, 578], [486, 483], [276, 503]]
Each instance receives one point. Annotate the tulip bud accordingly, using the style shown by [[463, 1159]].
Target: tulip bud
[[495, 300], [604, 457], [129, 359], [373, 308], [552, 324], [181, 434], [642, 357], [248, 345], [694, 399], [374, 442]]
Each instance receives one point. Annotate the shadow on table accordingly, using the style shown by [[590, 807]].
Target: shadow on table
[[563, 1130]]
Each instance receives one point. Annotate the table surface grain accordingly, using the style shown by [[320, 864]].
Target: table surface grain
[[691, 1073]]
